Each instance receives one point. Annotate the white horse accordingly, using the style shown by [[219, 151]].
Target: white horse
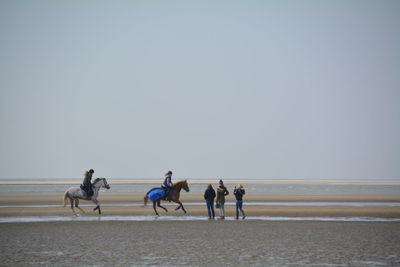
[[76, 193]]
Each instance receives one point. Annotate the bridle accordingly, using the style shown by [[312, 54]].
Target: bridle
[[185, 186]]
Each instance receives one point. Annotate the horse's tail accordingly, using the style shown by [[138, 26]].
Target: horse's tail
[[65, 198], [145, 199]]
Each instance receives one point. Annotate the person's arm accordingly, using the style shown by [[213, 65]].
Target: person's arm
[[205, 195], [226, 192], [244, 192]]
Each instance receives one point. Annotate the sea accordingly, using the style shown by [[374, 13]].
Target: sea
[[261, 186]]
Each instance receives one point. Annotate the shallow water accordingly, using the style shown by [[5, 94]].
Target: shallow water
[[266, 204], [299, 189], [30, 219]]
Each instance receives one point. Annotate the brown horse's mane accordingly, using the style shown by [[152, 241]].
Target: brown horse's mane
[[180, 182]]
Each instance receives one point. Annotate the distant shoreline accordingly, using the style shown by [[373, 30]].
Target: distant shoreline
[[206, 181]]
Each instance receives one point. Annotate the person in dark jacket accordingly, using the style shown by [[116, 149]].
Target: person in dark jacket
[[239, 192], [209, 196], [167, 184], [87, 184]]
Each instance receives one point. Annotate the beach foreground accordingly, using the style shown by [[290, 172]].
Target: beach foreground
[[132, 205], [196, 243]]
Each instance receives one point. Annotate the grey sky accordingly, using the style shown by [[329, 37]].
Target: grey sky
[[231, 89]]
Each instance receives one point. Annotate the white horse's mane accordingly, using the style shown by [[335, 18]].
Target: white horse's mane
[[98, 179]]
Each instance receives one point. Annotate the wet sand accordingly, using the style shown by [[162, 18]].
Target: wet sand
[[133, 205], [284, 211], [107, 197], [200, 243]]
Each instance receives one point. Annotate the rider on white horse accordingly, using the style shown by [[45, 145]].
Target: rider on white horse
[[87, 184]]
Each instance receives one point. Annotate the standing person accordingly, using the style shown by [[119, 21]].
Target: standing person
[[221, 193], [239, 192], [168, 184], [87, 184], [209, 196]]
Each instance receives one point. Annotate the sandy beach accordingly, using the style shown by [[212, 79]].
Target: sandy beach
[[132, 204], [280, 230], [208, 243]]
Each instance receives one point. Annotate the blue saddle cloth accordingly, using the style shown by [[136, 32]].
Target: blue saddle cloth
[[156, 193]]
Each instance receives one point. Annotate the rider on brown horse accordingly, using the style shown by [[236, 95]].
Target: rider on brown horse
[[167, 185]]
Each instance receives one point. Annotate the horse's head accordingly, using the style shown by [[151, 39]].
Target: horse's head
[[185, 186], [106, 185], [101, 182]]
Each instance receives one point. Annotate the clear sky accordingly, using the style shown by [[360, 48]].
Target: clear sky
[[225, 89]]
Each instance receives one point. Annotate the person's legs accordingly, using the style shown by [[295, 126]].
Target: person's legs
[[169, 194], [209, 208], [222, 210], [89, 193], [212, 209], [240, 206], [237, 209]]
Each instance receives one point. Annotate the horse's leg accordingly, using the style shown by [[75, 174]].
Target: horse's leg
[[97, 205], [181, 206], [154, 207], [76, 205], [159, 205], [176, 200], [72, 205]]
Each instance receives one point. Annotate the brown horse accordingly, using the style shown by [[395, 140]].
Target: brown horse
[[174, 197]]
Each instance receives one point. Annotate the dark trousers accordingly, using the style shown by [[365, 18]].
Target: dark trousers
[[88, 190], [210, 208]]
